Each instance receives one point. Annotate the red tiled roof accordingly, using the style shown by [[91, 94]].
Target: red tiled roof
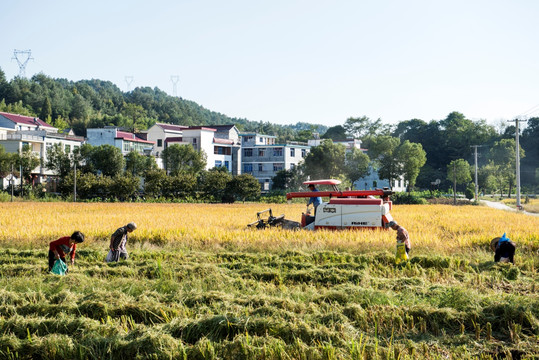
[[25, 120], [223, 141], [200, 128], [174, 139], [171, 127], [124, 135]]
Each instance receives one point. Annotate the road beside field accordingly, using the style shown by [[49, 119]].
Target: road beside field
[[501, 206]]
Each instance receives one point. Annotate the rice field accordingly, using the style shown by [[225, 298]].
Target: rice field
[[199, 285]]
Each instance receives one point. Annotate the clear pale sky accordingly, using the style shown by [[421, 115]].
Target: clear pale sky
[[285, 61]]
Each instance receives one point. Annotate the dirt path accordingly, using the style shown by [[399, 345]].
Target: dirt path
[[500, 206]]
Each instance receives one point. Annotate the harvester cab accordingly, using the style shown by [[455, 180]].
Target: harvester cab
[[350, 209]]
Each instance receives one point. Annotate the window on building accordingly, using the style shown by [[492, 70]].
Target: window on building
[[262, 152], [262, 140], [227, 165], [218, 163], [277, 167], [247, 168], [247, 152], [292, 166], [278, 152], [67, 148], [260, 167], [126, 146], [303, 153], [160, 142], [292, 152]]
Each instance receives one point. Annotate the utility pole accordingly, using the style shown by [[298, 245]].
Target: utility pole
[[476, 183], [75, 182], [20, 178], [12, 182], [517, 133]]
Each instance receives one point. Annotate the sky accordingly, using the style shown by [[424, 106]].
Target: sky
[[289, 61]]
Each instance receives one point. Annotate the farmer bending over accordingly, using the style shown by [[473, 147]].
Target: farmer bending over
[[118, 241], [58, 249], [402, 235], [504, 249]]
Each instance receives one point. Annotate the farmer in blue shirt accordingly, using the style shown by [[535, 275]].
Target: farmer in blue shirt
[[314, 200]]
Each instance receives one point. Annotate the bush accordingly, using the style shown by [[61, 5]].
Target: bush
[[408, 198]]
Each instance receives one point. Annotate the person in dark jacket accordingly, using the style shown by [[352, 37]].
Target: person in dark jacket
[[504, 249], [67, 245], [118, 242]]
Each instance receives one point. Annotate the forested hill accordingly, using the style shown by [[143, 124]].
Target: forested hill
[[95, 103]]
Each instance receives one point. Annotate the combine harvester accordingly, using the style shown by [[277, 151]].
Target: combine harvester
[[352, 209]]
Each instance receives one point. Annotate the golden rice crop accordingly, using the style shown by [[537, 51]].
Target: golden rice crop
[[442, 228]]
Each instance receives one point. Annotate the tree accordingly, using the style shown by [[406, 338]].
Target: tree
[[46, 111], [107, 159], [383, 151], [27, 160], [58, 161], [361, 127], [412, 157], [356, 165], [183, 159], [335, 133], [124, 186], [6, 160], [325, 161], [154, 182], [503, 155], [459, 172], [214, 182], [137, 164], [245, 186]]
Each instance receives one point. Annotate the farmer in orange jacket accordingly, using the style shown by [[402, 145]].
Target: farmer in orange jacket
[[66, 245]]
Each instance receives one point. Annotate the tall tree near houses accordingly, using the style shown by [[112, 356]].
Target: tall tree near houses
[[183, 159], [325, 161], [383, 152], [356, 165], [412, 157], [459, 172], [503, 155], [46, 111]]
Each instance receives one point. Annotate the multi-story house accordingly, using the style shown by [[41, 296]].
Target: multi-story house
[[123, 140], [263, 158], [18, 131], [220, 143]]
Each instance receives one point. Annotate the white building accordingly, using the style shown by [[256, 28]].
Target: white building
[[263, 158], [220, 143], [18, 131], [123, 140]]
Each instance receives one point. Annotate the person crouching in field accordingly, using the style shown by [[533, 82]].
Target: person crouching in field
[[402, 235], [118, 241], [58, 249], [504, 249]]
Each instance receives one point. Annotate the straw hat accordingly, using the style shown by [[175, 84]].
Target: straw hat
[[494, 243]]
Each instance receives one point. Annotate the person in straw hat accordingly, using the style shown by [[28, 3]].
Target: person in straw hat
[[118, 240]]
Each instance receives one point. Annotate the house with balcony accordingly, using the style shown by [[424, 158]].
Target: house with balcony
[[18, 131], [220, 143], [263, 158]]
